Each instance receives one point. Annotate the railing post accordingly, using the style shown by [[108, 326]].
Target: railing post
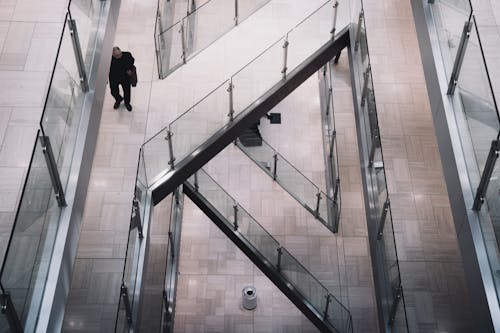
[[328, 100], [285, 57], [358, 33], [183, 40], [196, 186], [455, 73], [280, 253], [53, 172], [395, 303], [383, 217], [126, 302], [176, 196], [364, 93], [7, 308], [231, 100], [332, 143], [136, 217], [316, 212], [235, 207], [236, 12], [170, 149], [191, 7], [373, 148], [335, 7], [336, 190], [171, 241], [275, 168], [486, 176], [80, 62], [327, 305]]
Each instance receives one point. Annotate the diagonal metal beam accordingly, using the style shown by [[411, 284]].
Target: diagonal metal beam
[[227, 134]]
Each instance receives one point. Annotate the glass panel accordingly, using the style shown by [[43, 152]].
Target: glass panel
[[60, 118], [261, 240], [339, 316], [200, 122], [247, 7], [207, 23], [329, 212], [303, 281], [449, 20], [86, 14], [141, 187], [262, 155], [296, 184], [169, 45], [477, 101], [221, 201], [131, 262], [32, 239], [257, 77], [490, 223], [356, 7], [343, 14], [309, 35], [156, 156]]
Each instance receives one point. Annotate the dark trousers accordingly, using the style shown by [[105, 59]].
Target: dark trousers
[[115, 91]]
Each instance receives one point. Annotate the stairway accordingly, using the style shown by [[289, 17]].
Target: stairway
[[208, 147], [293, 279]]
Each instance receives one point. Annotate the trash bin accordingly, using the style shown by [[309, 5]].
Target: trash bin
[[249, 298]]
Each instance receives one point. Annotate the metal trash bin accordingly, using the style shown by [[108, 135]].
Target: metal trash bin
[[249, 298]]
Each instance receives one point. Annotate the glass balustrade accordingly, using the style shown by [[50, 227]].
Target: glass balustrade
[[330, 148], [43, 197], [476, 114], [179, 38], [393, 302], [185, 134], [32, 239], [270, 250], [325, 208]]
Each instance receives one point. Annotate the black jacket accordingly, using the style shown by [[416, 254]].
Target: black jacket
[[119, 67]]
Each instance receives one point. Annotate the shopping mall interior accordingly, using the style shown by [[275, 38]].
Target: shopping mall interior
[[283, 166]]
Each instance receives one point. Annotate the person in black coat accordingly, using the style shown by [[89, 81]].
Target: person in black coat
[[119, 74]]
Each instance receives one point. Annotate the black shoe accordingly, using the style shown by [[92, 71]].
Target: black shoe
[[129, 107], [117, 104]]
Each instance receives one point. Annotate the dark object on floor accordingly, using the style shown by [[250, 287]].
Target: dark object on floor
[[275, 118], [129, 107]]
